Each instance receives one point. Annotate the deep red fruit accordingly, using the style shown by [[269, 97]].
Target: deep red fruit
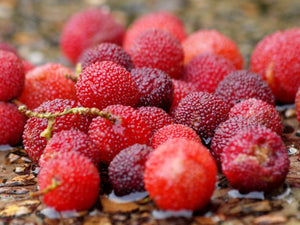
[[126, 170], [155, 86], [255, 160], [277, 58], [12, 124], [162, 20], [241, 85], [212, 41], [8, 47], [203, 112], [225, 131], [205, 71], [297, 104], [76, 179], [33, 143], [47, 82], [180, 175], [67, 141], [12, 76], [27, 65], [173, 131], [159, 49], [181, 89], [260, 111], [96, 25], [111, 137], [156, 118], [106, 52], [106, 83]]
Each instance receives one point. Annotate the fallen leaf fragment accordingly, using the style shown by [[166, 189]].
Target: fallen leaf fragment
[[110, 206]]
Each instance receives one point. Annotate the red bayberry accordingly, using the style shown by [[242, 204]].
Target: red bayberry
[[155, 86], [180, 175], [212, 41], [96, 25], [106, 83], [205, 71], [12, 76], [70, 182], [297, 104], [8, 47], [106, 52], [47, 82], [241, 85], [162, 20], [255, 160], [27, 65], [159, 49], [277, 58], [126, 170]]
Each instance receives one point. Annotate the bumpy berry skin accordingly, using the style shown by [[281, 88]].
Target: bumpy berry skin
[[212, 41], [12, 124], [241, 85], [111, 137], [181, 89], [12, 76], [78, 182], [276, 58], [47, 82], [180, 175], [203, 112], [162, 20], [106, 83], [255, 160], [126, 170], [260, 111], [155, 86], [33, 143], [106, 52], [205, 71], [297, 104], [95, 25], [225, 131], [159, 49], [173, 131], [67, 141], [155, 117]]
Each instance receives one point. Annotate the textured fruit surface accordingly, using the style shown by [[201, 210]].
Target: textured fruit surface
[[111, 137], [47, 82], [155, 87], [212, 41], [106, 83], [33, 142], [96, 25], [12, 76], [12, 124], [126, 170], [106, 52], [173, 131], [27, 65], [155, 117], [180, 175], [203, 112], [159, 49], [241, 85], [67, 141], [205, 71], [162, 20], [77, 181], [225, 131], [297, 104], [260, 111], [8, 47], [277, 58], [255, 159]]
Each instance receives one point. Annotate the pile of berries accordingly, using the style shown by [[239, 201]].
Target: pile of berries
[[161, 110]]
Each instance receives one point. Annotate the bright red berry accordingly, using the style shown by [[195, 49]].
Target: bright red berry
[[70, 181], [180, 175], [297, 104], [159, 49], [106, 83], [96, 25], [5, 46]]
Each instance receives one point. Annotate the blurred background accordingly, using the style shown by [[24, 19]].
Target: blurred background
[[34, 26]]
